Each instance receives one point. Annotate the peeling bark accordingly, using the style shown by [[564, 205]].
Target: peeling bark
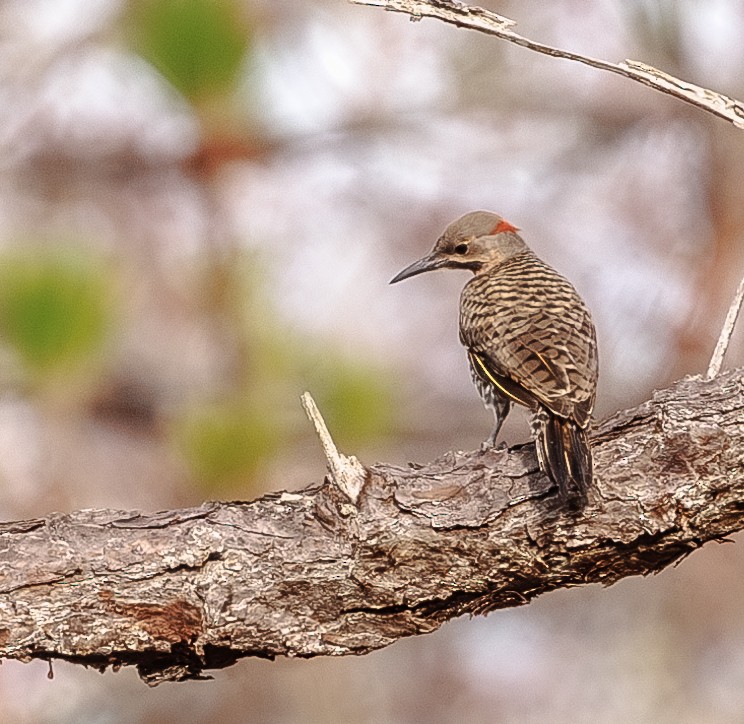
[[308, 573]]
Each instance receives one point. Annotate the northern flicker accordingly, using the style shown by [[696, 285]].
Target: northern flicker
[[530, 340]]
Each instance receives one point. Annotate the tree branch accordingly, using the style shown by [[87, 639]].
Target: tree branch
[[346, 472], [308, 574], [716, 361], [476, 18]]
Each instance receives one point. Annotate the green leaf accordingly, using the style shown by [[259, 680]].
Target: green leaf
[[54, 308], [198, 45]]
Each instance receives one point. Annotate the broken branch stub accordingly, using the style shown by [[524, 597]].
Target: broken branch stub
[[345, 471]]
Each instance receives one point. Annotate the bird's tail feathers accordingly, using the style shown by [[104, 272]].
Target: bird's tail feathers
[[565, 456]]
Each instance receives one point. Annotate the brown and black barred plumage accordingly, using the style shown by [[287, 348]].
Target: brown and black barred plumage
[[530, 340]]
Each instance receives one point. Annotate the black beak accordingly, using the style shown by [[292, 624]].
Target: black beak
[[428, 263]]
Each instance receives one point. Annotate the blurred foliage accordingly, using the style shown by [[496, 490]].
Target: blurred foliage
[[356, 400], [54, 308], [226, 444], [198, 45], [354, 396]]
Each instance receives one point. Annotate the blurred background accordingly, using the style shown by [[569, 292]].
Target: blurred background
[[201, 204]]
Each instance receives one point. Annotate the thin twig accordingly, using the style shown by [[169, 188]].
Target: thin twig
[[476, 18], [725, 337]]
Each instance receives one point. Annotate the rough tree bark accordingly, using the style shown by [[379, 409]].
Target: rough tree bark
[[313, 573]]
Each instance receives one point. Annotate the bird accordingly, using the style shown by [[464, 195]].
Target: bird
[[530, 341]]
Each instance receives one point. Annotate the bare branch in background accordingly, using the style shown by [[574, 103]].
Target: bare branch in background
[[306, 574], [716, 361], [476, 18]]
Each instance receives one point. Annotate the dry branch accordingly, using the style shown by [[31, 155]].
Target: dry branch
[[346, 472], [308, 574], [476, 18], [716, 361]]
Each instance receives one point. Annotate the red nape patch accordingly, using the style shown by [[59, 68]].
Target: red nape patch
[[503, 225]]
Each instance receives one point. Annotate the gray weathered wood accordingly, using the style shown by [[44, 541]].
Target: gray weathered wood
[[308, 574], [476, 18]]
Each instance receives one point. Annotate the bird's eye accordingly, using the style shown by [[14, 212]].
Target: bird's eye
[[461, 249]]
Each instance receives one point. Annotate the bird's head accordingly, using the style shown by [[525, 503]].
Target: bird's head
[[475, 241]]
